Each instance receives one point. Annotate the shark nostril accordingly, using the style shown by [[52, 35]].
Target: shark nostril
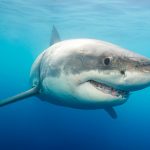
[[122, 72]]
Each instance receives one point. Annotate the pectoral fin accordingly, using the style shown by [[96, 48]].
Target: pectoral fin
[[111, 112], [19, 97]]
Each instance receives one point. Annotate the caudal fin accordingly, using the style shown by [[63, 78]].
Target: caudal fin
[[31, 92]]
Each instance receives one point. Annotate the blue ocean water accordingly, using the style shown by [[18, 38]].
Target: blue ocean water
[[25, 29]]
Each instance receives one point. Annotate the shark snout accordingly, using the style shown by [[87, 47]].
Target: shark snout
[[145, 66], [137, 76]]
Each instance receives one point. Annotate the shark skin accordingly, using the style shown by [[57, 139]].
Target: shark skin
[[86, 74]]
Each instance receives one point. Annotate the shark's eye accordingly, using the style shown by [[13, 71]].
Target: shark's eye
[[107, 61], [122, 72]]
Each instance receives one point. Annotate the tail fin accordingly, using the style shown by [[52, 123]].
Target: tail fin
[[33, 91]]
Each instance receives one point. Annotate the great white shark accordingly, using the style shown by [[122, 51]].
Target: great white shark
[[86, 74]]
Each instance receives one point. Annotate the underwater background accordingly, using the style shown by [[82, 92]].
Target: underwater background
[[25, 31]]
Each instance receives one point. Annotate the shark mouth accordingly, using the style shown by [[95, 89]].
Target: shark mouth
[[109, 90]]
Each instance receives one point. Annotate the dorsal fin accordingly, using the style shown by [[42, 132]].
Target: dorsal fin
[[111, 112], [55, 36]]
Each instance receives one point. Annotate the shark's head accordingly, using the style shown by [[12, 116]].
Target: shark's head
[[89, 73]]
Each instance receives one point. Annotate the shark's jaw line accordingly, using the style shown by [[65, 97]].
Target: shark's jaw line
[[109, 89]]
